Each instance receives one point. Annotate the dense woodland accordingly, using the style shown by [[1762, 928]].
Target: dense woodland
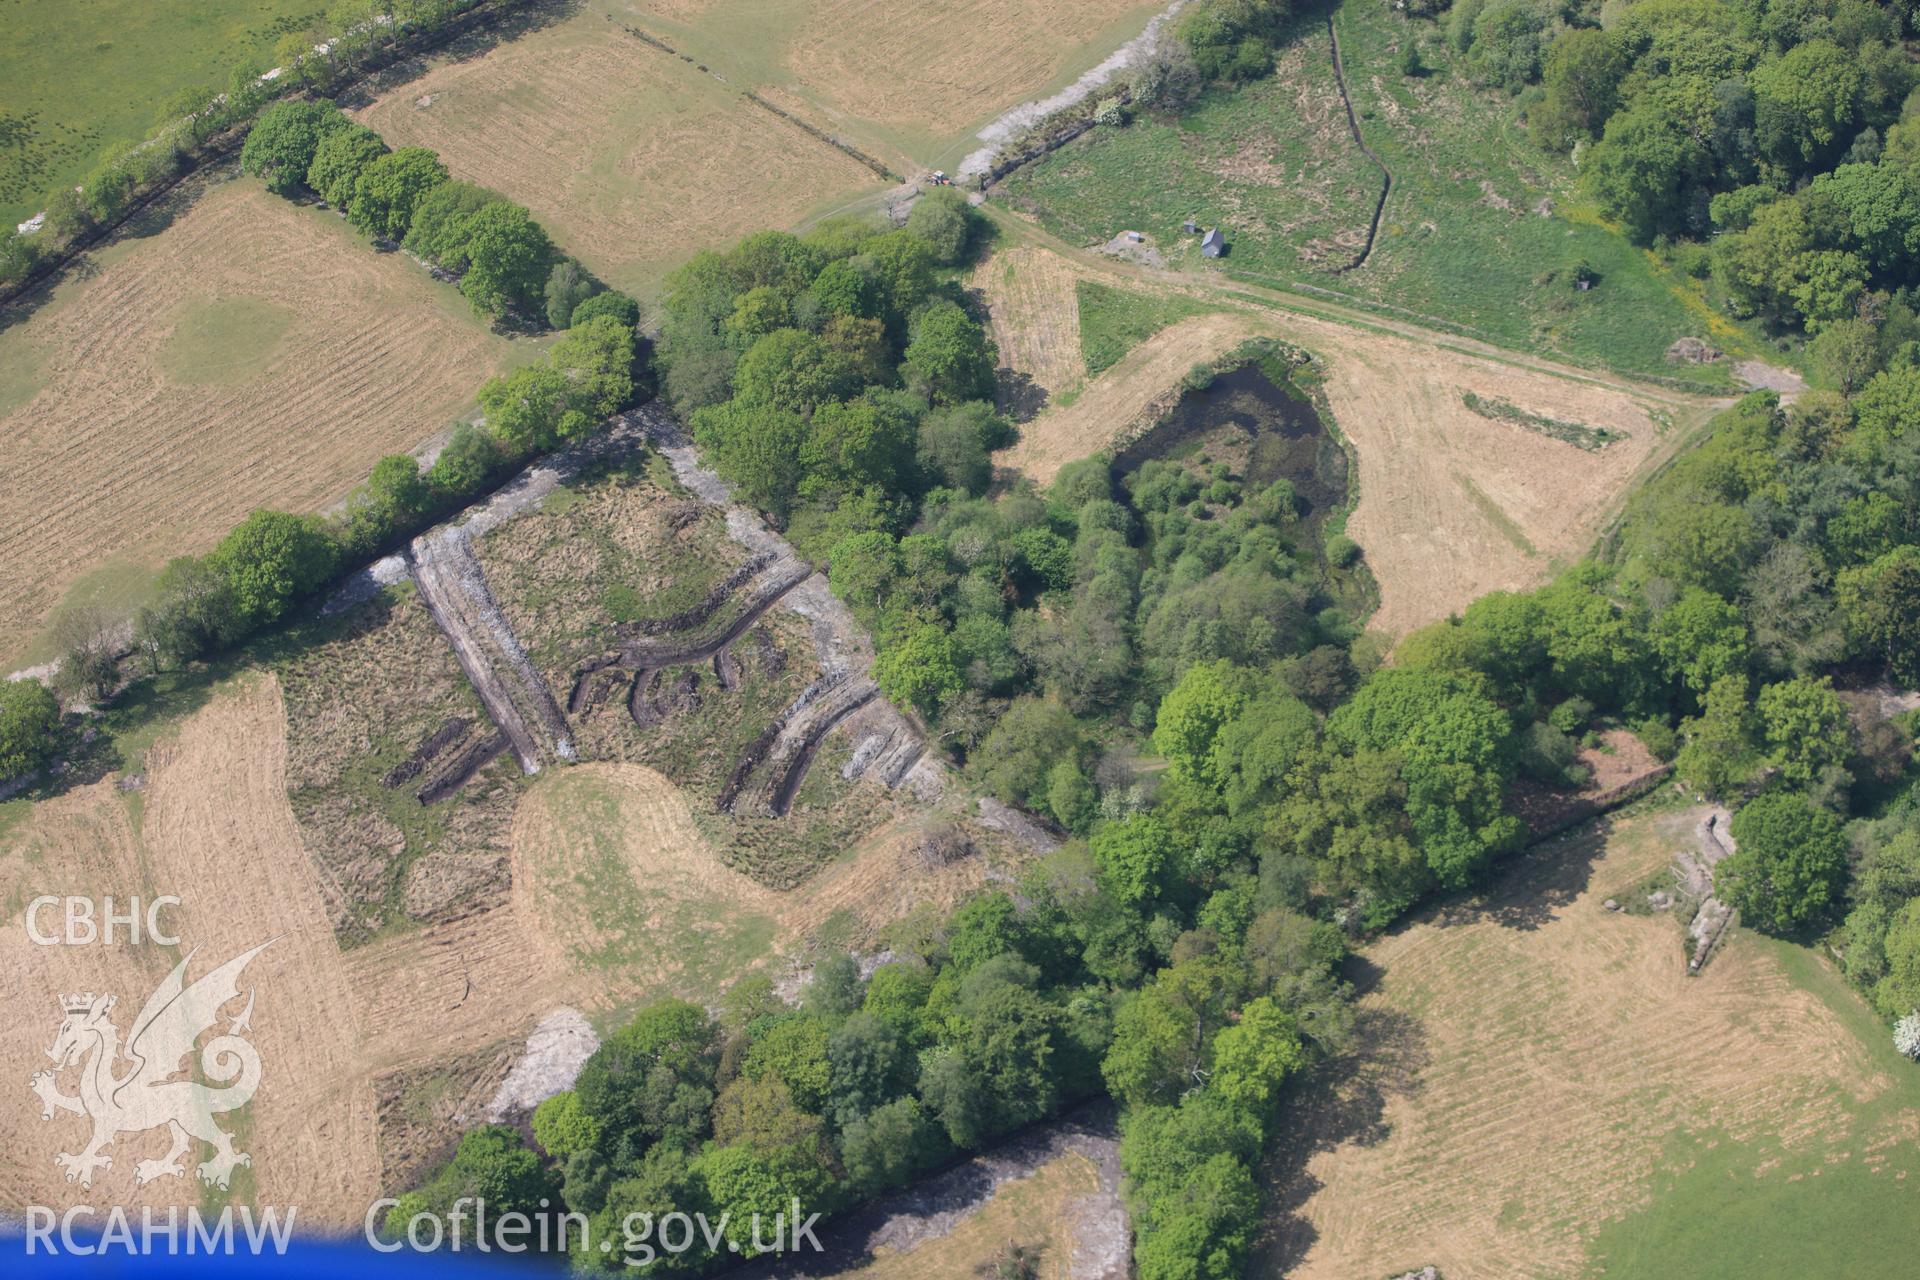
[[1773, 146]]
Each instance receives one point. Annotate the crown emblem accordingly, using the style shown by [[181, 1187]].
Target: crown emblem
[[77, 1004]]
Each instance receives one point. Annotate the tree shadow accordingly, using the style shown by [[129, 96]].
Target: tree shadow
[[1343, 1100], [1534, 886], [97, 743], [1017, 396], [474, 42]]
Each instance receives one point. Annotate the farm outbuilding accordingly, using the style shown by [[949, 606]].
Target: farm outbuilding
[[1213, 244]]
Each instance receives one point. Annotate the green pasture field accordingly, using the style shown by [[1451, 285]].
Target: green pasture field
[[1817, 1211], [1483, 233], [1115, 321], [78, 77]]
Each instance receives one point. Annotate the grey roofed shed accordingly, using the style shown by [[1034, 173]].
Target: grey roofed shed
[[1213, 244]]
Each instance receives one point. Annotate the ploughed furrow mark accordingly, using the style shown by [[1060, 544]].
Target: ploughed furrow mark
[[517, 699], [436, 742], [698, 614], [657, 695], [890, 747], [1353, 123], [778, 740], [591, 688]]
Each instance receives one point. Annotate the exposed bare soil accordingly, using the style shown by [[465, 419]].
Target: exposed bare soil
[[376, 1055]]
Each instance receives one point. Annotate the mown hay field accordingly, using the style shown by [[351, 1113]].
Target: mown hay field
[[212, 827], [255, 353], [908, 79], [633, 159], [1542, 1091], [1453, 502]]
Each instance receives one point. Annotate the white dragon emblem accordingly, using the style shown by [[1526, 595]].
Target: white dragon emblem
[[147, 1096]]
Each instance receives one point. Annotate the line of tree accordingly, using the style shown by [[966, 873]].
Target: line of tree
[[274, 560], [839, 382], [1182, 951], [358, 34], [505, 260]]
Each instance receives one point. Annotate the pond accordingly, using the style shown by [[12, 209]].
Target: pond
[[1263, 429]]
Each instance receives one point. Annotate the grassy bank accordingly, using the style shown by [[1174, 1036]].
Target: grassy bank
[[1767, 1208]]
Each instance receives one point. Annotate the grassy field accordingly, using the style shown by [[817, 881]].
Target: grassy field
[[1031, 297], [1860, 1196], [634, 159], [1482, 233], [1115, 321], [1545, 1093], [254, 353], [80, 77]]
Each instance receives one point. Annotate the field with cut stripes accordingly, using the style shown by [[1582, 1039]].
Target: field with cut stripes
[[631, 157], [255, 353], [1545, 1091]]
